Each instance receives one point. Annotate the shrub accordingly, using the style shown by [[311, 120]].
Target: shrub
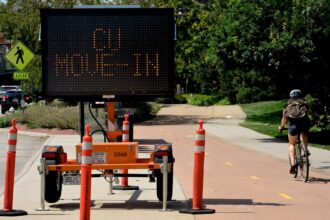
[[60, 116], [142, 112], [164, 100], [155, 107], [224, 101], [180, 99], [5, 122], [48, 116], [318, 113], [253, 94], [203, 100]]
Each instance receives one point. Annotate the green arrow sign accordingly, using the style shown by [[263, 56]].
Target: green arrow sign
[[20, 56]]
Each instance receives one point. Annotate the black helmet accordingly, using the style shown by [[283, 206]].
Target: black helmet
[[295, 94]]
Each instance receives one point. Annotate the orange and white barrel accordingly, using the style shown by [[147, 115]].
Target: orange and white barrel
[[126, 129], [10, 168], [198, 177], [86, 176]]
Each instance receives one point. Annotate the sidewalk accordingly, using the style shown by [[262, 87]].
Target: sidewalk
[[141, 204], [223, 122], [230, 131]]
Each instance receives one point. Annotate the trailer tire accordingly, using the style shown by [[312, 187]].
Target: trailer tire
[[53, 186], [159, 177]]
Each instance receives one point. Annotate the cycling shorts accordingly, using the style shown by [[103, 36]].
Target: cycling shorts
[[299, 125]]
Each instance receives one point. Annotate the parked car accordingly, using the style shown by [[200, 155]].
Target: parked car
[[10, 87], [5, 88], [10, 98]]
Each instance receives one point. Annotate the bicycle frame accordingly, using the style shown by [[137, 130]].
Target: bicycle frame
[[301, 159]]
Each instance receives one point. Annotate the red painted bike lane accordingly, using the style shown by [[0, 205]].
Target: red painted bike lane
[[240, 183]]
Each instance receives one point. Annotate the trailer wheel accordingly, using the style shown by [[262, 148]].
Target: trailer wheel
[[159, 177], [53, 186]]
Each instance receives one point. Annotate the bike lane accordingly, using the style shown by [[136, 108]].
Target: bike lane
[[240, 182]]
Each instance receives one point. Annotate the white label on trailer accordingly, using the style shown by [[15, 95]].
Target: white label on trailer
[[97, 157], [71, 179]]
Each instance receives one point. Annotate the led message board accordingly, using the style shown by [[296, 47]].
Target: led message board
[[93, 53]]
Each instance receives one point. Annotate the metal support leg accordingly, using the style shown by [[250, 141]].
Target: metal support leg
[[164, 170], [42, 171], [110, 184]]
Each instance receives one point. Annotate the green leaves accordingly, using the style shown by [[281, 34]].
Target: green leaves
[[242, 50]]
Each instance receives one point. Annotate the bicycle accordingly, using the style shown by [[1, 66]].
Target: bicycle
[[301, 159]]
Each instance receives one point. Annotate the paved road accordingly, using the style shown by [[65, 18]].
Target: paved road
[[27, 147]]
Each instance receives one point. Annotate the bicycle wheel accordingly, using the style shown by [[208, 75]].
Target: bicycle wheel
[[295, 173], [304, 165]]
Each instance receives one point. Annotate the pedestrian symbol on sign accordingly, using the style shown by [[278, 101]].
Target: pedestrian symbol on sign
[[19, 54]]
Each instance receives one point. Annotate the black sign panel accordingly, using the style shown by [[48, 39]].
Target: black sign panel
[[92, 53]]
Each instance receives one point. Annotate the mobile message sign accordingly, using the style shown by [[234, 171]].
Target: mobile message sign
[[90, 54]]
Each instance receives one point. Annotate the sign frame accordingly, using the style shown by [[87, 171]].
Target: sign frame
[[131, 94]]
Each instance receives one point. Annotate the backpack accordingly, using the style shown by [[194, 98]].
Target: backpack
[[296, 108]]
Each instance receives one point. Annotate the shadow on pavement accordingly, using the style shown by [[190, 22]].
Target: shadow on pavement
[[271, 140], [318, 180], [238, 202], [70, 206], [143, 204], [173, 120], [130, 204]]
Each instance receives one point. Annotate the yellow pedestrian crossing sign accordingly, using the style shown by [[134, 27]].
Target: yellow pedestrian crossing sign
[[20, 56]]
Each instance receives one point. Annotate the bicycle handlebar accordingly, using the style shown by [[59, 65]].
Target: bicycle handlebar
[[281, 130]]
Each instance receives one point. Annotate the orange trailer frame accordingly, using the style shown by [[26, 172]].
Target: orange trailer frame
[[110, 156]]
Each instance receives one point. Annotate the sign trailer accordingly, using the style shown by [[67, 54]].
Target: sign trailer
[[101, 54]]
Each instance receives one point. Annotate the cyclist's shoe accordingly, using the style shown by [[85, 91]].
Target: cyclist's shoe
[[293, 169]]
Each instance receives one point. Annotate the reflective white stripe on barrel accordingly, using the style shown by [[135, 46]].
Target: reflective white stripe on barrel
[[12, 139], [87, 149], [12, 148], [86, 160], [125, 130], [125, 127], [87, 146], [12, 136], [199, 149], [125, 137], [200, 137]]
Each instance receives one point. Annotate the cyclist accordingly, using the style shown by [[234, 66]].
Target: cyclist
[[296, 112]]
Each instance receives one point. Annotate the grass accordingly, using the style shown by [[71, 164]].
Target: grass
[[265, 117]]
